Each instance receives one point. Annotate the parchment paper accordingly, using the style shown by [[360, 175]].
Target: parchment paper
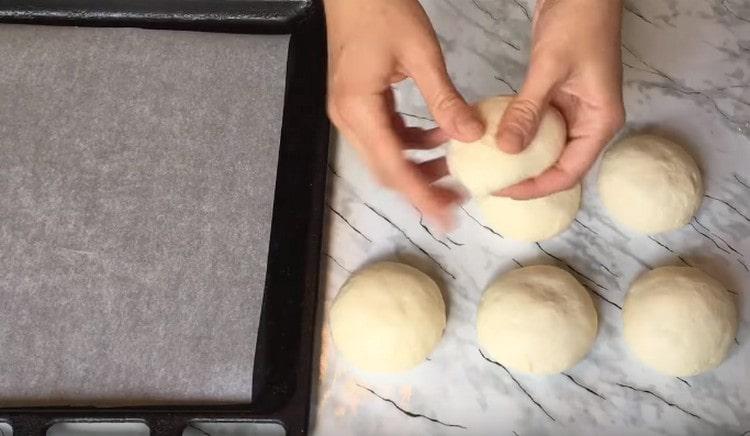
[[137, 170]]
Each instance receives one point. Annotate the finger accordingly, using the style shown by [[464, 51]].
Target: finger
[[421, 139], [576, 159], [450, 110], [433, 170], [368, 118], [522, 117]]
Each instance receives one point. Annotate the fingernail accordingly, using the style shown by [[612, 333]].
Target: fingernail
[[470, 127], [510, 141]]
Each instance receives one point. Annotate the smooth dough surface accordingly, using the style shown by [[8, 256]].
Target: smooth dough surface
[[387, 317], [679, 320], [537, 319], [650, 184], [482, 168], [531, 220]]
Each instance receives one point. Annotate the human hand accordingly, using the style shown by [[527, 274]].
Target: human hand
[[372, 45], [575, 66]]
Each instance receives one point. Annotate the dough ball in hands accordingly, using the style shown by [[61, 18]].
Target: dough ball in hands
[[483, 168], [537, 319], [650, 184], [531, 220], [387, 317], [679, 320]]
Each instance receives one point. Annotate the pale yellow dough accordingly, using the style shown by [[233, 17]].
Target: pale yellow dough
[[531, 220], [482, 168], [679, 320], [537, 319], [387, 317], [650, 184]]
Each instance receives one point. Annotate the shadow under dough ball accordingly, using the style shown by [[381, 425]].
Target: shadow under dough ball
[[387, 317]]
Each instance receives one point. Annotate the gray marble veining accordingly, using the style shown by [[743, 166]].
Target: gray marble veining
[[686, 75]]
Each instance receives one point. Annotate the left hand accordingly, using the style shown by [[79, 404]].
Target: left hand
[[575, 65]]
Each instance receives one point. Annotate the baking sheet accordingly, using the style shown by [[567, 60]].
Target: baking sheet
[[137, 172]]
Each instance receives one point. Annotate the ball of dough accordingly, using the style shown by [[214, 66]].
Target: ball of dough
[[679, 321], [387, 317], [482, 168], [531, 220], [537, 319], [650, 184]]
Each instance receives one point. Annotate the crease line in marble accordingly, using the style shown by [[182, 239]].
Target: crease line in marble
[[717, 236], [489, 229], [417, 246], [678, 87], [664, 246], [705, 235], [580, 223], [581, 385], [684, 381], [638, 14], [198, 429], [409, 413], [660, 398], [429, 232], [740, 181], [599, 285], [484, 10], [729, 205], [525, 12], [609, 271], [744, 265], [337, 263], [517, 262], [506, 83], [488, 33], [458, 244], [520, 386], [733, 13], [601, 296], [351, 226]]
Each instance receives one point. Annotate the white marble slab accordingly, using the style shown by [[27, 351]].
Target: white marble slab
[[687, 74]]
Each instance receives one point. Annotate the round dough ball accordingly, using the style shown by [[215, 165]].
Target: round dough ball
[[387, 317], [650, 184], [679, 321], [537, 319], [531, 220], [482, 168]]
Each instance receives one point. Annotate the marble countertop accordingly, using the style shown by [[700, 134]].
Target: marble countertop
[[687, 75]]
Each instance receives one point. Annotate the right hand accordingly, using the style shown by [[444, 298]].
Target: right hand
[[372, 45]]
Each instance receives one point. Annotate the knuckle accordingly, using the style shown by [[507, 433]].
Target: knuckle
[[522, 114], [446, 100]]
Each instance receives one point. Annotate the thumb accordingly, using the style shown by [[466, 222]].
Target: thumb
[[452, 113], [523, 115]]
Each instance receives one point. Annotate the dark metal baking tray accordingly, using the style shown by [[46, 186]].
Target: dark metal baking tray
[[284, 351]]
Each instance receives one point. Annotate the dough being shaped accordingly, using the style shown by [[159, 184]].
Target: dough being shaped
[[650, 184], [482, 168], [537, 319], [531, 220], [387, 317], [679, 320]]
